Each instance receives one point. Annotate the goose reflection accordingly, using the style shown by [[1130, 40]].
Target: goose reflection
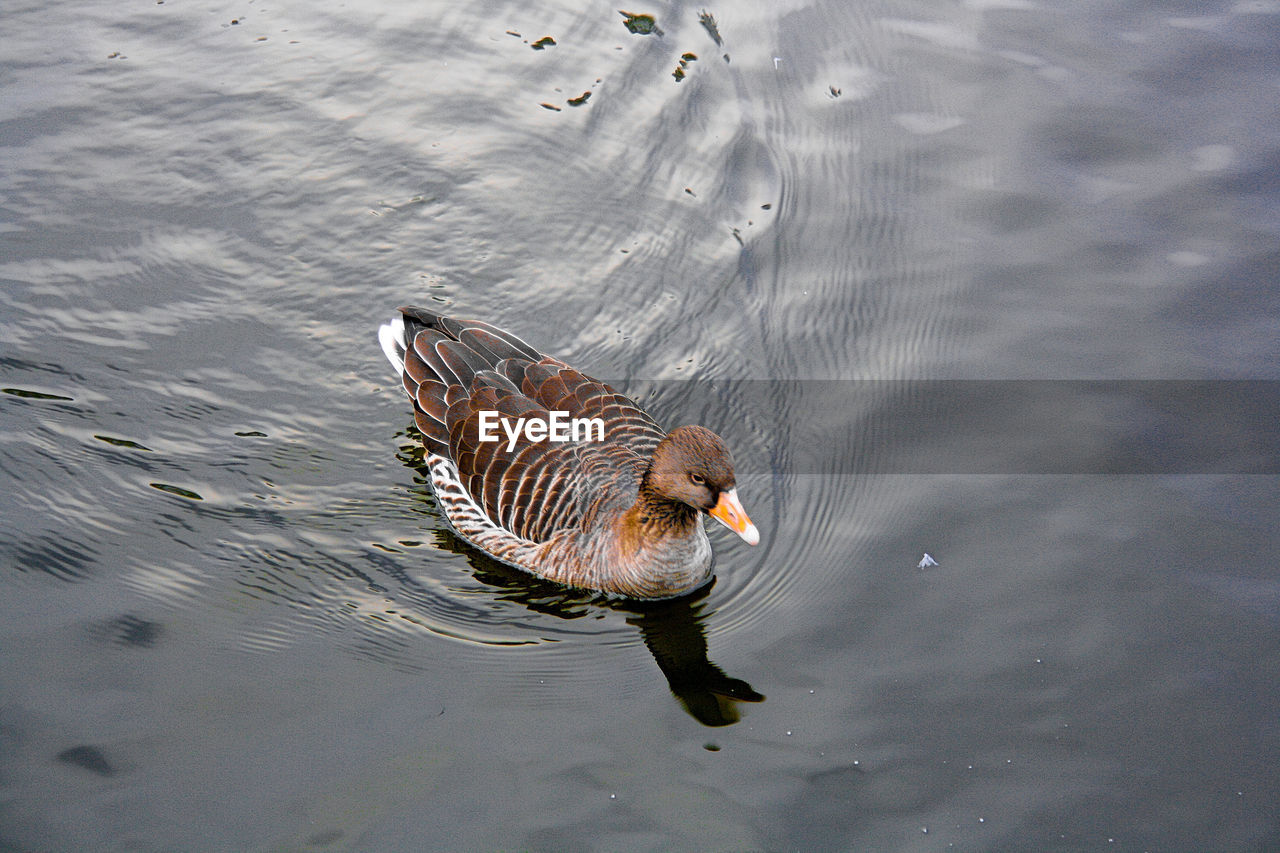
[[674, 631]]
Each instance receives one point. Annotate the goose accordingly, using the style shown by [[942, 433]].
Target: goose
[[546, 469]]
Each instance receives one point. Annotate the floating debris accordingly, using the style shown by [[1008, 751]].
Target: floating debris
[[709, 24], [87, 758], [122, 442], [580, 100], [252, 433], [926, 562], [33, 395], [176, 490], [551, 107], [543, 43], [641, 25], [685, 59], [129, 630]]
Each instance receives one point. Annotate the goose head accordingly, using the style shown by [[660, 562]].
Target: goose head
[[692, 466]]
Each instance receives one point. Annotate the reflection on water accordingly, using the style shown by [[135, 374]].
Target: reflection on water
[[676, 634]]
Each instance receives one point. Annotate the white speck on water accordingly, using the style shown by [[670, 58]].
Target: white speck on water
[[1212, 158], [926, 124], [1187, 259], [776, 60], [926, 562]]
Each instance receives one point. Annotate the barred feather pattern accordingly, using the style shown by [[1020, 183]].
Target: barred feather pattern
[[565, 511]]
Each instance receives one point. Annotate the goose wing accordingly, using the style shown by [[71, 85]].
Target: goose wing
[[454, 370]]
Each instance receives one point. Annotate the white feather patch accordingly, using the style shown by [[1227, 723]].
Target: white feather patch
[[391, 335]]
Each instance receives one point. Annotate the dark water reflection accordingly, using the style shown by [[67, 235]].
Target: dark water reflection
[[675, 632], [676, 636], [1031, 248]]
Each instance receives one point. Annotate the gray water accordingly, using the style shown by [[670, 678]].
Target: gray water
[[1030, 250]]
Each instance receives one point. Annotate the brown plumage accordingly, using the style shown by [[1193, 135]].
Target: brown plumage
[[621, 513]]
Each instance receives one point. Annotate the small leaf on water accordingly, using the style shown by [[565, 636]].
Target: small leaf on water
[[33, 395], [639, 24], [122, 442], [177, 490], [709, 24]]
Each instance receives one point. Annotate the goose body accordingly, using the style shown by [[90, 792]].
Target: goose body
[[615, 506]]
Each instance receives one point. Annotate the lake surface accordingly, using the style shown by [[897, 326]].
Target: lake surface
[[993, 281]]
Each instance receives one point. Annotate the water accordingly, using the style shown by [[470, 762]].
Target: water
[[233, 618]]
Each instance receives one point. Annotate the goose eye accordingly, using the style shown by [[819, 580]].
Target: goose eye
[[698, 479]]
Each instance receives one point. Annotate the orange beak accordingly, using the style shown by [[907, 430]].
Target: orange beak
[[729, 512]]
